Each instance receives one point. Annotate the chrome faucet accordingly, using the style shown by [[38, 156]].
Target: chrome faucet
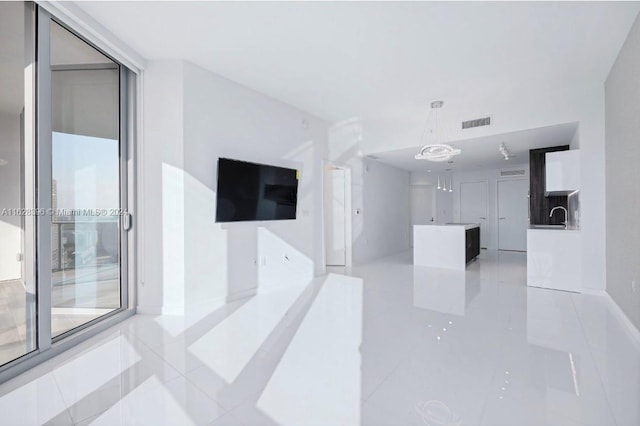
[[566, 215]]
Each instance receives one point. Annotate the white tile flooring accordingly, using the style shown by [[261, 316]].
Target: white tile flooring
[[387, 344]]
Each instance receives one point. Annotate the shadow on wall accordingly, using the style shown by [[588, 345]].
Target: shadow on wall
[[206, 264]]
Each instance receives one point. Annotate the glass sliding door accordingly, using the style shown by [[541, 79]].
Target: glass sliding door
[[86, 197], [64, 224], [17, 288]]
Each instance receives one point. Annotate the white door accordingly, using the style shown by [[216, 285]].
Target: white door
[[473, 206], [512, 214], [335, 217], [421, 207]]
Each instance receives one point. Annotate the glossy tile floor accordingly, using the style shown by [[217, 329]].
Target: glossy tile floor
[[17, 314], [387, 344]]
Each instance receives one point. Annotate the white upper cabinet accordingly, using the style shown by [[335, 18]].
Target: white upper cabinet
[[562, 172]]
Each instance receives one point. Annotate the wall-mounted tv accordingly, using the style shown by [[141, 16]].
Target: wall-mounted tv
[[250, 191]]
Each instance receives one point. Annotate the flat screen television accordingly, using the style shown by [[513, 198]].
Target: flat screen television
[[250, 191]]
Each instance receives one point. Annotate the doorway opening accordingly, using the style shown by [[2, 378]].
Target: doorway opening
[[337, 217], [513, 207]]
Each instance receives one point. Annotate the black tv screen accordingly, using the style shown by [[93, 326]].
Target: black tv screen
[[250, 191]]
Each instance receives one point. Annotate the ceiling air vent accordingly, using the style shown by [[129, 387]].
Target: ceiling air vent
[[373, 157], [509, 173], [485, 121]]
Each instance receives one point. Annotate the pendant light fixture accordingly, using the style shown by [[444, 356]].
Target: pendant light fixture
[[451, 185], [434, 148], [439, 187]]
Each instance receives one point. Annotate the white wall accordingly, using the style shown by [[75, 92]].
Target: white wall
[[529, 108], [575, 140], [622, 97], [192, 117], [379, 192], [443, 200], [163, 141], [10, 226], [385, 212], [491, 177]]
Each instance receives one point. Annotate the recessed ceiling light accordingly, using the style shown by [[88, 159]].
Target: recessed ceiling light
[[3, 162]]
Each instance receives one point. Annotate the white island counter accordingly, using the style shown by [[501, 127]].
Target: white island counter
[[447, 245]]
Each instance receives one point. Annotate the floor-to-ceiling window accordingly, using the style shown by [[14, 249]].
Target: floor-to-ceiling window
[[17, 290], [85, 185], [64, 221]]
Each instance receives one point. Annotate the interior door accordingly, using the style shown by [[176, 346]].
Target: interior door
[[473, 206], [512, 214], [421, 207], [335, 217]]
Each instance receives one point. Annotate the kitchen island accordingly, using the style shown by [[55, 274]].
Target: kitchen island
[[446, 245]]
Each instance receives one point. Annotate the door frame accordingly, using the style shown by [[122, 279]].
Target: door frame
[[486, 214], [498, 211], [326, 165], [44, 171]]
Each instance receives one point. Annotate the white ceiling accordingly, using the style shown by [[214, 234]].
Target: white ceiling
[[379, 60], [483, 153], [382, 62]]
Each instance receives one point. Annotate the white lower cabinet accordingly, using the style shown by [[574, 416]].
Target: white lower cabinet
[[554, 259]]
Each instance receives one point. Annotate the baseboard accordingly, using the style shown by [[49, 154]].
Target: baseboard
[[202, 306], [630, 328], [148, 310], [213, 303], [593, 292]]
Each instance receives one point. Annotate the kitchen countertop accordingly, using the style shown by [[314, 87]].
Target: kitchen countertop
[[451, 224], [534, 228], [466, 225]]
